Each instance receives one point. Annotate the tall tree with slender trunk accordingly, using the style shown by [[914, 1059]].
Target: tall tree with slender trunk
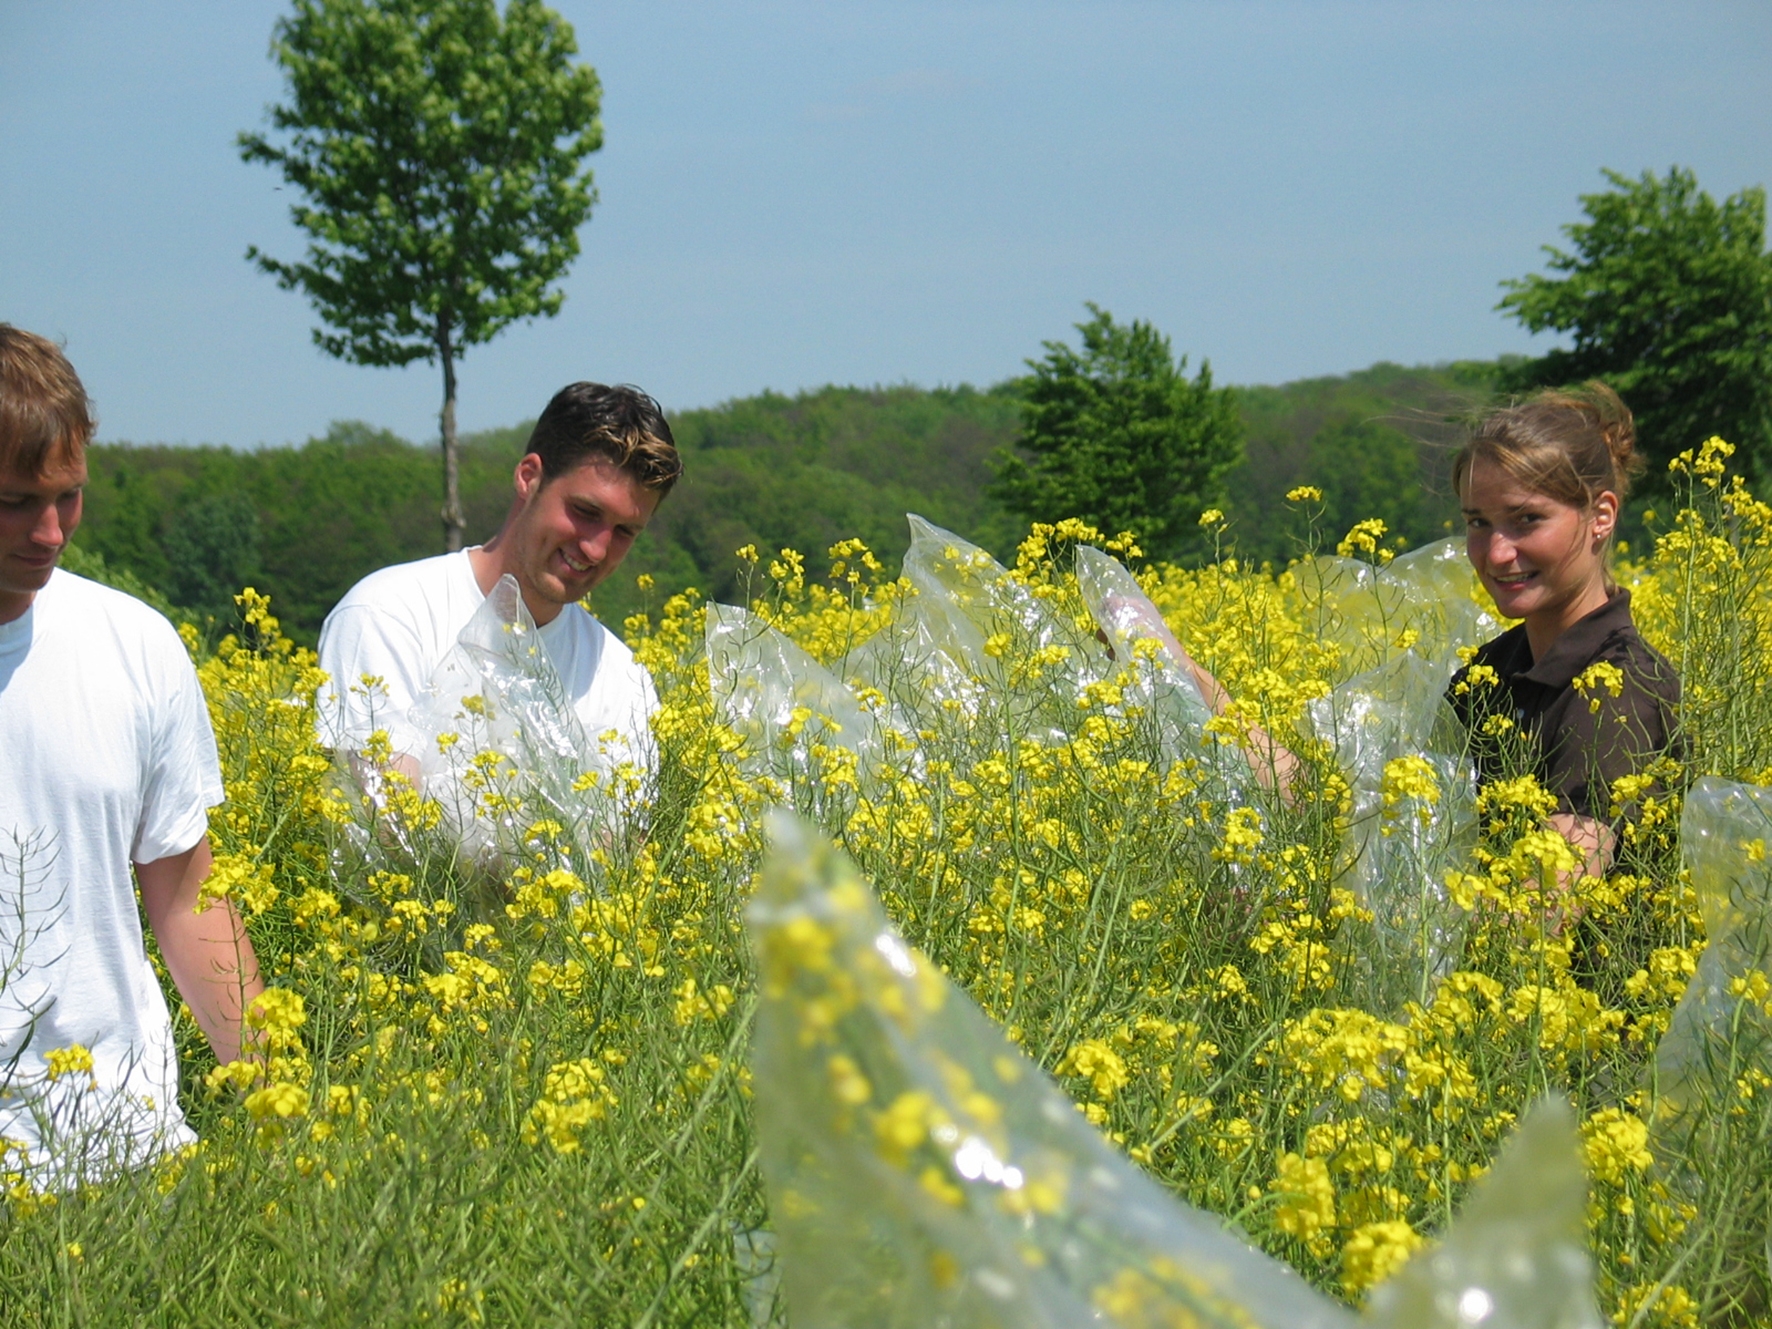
[[439, 150]]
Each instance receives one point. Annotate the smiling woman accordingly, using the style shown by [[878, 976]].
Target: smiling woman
[[1573, 687]]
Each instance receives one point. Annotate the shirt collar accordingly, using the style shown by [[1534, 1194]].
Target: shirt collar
[[1576, 648]]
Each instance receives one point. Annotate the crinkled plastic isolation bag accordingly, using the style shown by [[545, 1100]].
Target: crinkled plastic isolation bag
[[779, 700], [497, 692], [922, 1171], [1421, 600], [1398, 856], [1436, 585], [1397, 864], [1161, 684], [1717, 1033], [964, 597], [1515, 1257]]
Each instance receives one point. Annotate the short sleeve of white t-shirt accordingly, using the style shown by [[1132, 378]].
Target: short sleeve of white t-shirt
[[380, 643], [108, 758], [397, 625]]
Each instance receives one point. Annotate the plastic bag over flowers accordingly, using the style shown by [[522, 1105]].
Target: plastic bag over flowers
[[922, 1171], [1723, 1024], [500, 750]]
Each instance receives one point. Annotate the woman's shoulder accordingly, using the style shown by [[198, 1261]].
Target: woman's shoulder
[[1506, 655], [1629, 651]]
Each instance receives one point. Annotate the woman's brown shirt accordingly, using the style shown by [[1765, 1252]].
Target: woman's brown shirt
[[1577, 752]]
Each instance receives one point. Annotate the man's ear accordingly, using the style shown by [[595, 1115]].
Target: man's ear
[[528, 477]]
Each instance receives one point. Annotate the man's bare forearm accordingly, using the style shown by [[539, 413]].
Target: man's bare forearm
[[209, 954]]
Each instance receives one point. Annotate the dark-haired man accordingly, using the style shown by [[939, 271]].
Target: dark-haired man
[[598, 463], [106, 760]]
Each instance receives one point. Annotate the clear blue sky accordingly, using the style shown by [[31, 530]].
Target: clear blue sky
[[815, 191]]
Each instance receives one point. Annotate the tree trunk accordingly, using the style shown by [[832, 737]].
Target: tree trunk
[[454, 523]]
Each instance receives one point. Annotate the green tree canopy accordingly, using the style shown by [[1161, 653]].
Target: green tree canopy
[[1667, 295], [1118, 435], [439, 150]]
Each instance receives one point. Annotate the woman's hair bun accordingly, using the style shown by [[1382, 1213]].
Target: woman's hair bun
[[1616, 426]]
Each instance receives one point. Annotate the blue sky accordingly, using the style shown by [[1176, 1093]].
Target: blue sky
[[818, 191]]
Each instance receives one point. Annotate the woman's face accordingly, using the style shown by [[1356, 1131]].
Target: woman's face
[[1542, 559]]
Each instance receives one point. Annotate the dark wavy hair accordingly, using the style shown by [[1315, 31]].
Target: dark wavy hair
[[621, 425]]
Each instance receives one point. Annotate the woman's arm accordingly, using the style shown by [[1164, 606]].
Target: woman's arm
[[1274, 766]]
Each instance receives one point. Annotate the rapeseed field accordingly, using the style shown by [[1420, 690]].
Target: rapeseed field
[[509, 1082]]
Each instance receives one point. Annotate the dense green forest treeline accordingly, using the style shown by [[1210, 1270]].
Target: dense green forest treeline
[[303, 523]]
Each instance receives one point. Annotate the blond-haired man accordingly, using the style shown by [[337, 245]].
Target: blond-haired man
[[107, 762]]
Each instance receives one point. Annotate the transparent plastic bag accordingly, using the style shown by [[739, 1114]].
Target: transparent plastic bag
[[1421, 601], [1398, 856], [779, 700], [916, 664], [1396, 865], [922, 1171], [1718, 1029], [1515, 1257], [497, 692], [1160, 684], [1436, 586], [964, 598]]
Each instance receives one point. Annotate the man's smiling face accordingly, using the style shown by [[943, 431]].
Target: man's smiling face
[[573, 530]]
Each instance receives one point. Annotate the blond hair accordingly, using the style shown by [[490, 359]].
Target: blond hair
[[1569, 444]]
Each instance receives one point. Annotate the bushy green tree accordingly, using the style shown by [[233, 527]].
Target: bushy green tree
[[1667, 296], [439, 149], [1117, 434], [212, 550]]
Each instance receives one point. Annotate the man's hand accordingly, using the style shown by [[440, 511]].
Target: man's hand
[[209, 954]]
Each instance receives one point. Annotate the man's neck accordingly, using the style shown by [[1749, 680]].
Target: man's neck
[[488, 567], [13, 604]]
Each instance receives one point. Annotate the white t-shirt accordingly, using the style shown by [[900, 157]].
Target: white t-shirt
[[106, 757], [400, 623]]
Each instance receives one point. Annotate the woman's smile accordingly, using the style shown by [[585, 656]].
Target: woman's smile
[[1542, 560]]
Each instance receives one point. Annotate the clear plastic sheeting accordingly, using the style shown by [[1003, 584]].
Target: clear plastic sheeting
[[502, 747], [970, 616], [1437, 587], [1400, 850], [1423, 600], [1400, 629], [951, 649], [922, 1171], [1151, 658], [1723, 1024], [1397, 853], [1516, 1255], [779, 700], [932, 652]]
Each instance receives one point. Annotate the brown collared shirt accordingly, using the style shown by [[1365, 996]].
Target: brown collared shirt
[[1577, 752]]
